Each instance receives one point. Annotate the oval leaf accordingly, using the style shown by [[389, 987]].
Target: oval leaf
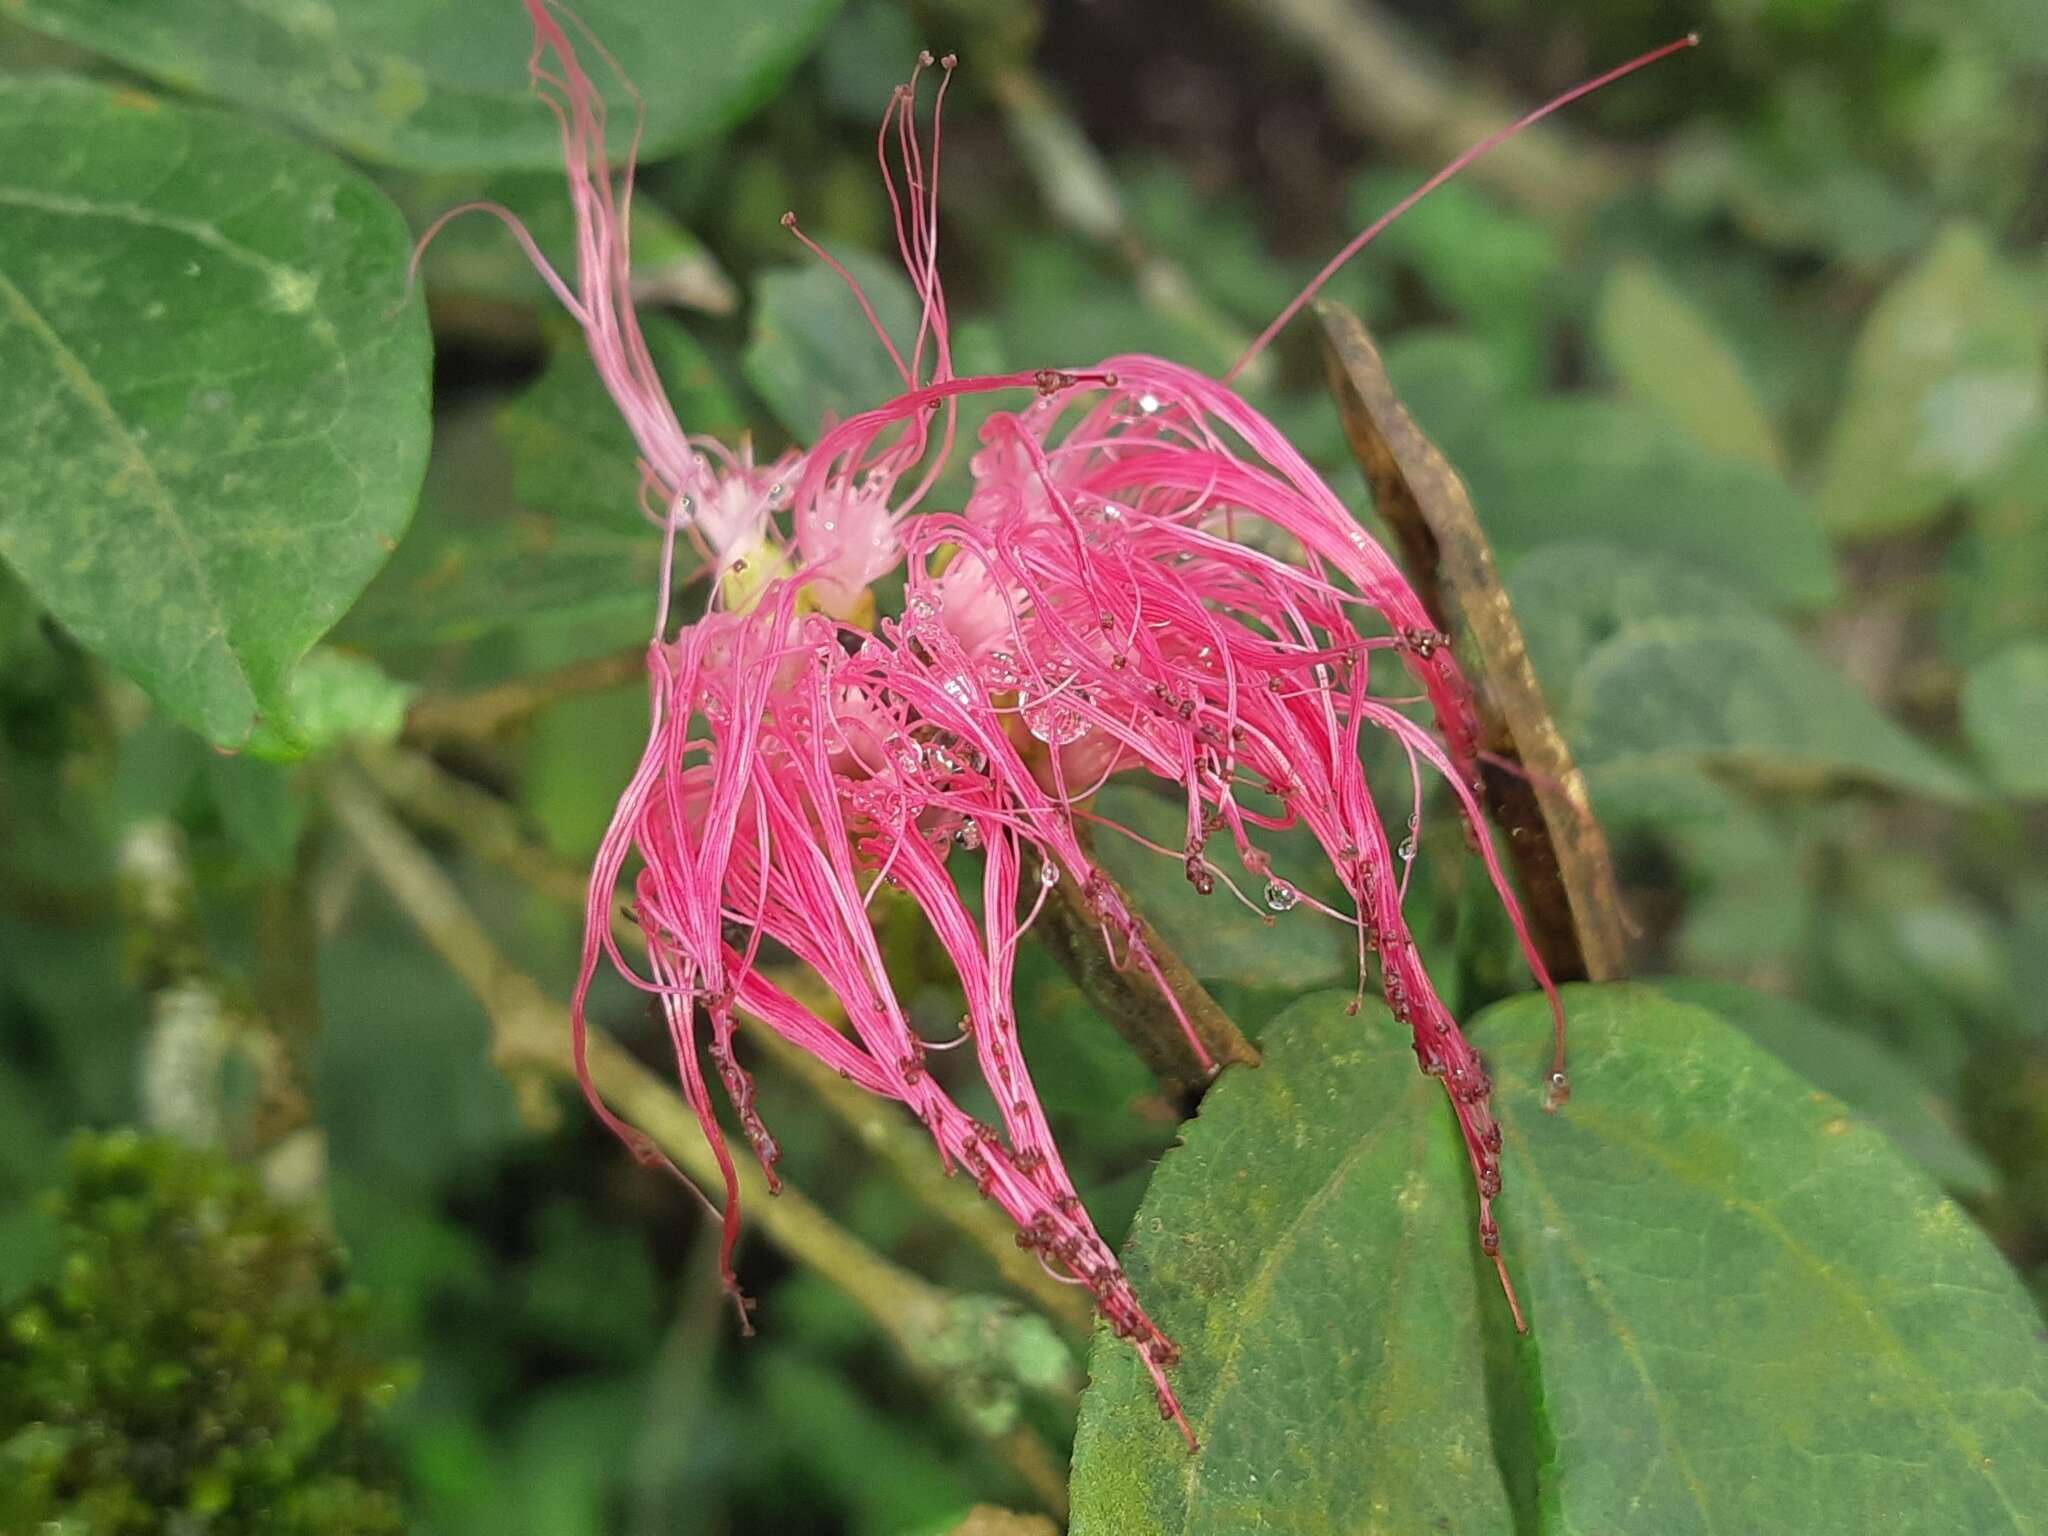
[[443, 83], [1309, 1249], [1945, 384], [219, 403], [1871, 1080], [1647, 660], [1754, 1314], [1667, 356]]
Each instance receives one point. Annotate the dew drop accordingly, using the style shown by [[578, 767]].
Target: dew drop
[[999, 670], [1280, 896], [1406, 852], [1055, 723], [1048, 874], [1148, 403], [968, 836]]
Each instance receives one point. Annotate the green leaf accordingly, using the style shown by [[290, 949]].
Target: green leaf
[[1309, 1249], [1643, 659], [443, 83], [1753, 1313], [1564, 468], [1862, 1074], [1669, 357], [219, 406], [2005, 717], [475, 254], [1945, 384], [813, 354]]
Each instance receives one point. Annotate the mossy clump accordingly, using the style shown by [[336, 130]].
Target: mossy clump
[[196, 1365]]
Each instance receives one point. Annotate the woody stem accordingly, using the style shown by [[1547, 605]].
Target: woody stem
[[528, 1036]]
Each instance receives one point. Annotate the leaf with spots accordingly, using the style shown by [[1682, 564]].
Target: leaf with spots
[[442, 84], [1751, 1312], [1754, 1313], [1309, 1249], [219, 406]]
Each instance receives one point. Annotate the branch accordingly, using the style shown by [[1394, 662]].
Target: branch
[[490, 711], [490, 828], [931, 1328], [1556, 844]]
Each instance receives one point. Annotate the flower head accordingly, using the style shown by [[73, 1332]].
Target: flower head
[[1146, 577]]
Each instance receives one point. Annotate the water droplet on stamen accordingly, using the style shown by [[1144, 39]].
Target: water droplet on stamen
[[1048, 874], [1280, 896], [1148, 402], [968, 836]]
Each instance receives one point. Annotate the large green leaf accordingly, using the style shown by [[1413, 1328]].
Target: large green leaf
[[443, 83], [1308, 1247], [218, 405], [1668, 356], [1945, 384], [1645, 660], [1871, 1080], [1753, 1313]]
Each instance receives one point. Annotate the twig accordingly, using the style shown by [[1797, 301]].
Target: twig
[[490, 828], [490, 711], [1555, 842], [924, 1322], [1390, 88]]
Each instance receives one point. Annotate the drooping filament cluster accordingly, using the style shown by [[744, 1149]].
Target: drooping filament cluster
[[1145, 578]]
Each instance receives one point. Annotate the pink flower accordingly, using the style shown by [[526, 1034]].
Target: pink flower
[[1146, 577]]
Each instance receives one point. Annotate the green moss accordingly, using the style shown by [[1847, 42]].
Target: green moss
[[195, 1362]]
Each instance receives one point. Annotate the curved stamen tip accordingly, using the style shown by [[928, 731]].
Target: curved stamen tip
[[1692, 39], [924, 57], [789, 220], [952, 60]]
